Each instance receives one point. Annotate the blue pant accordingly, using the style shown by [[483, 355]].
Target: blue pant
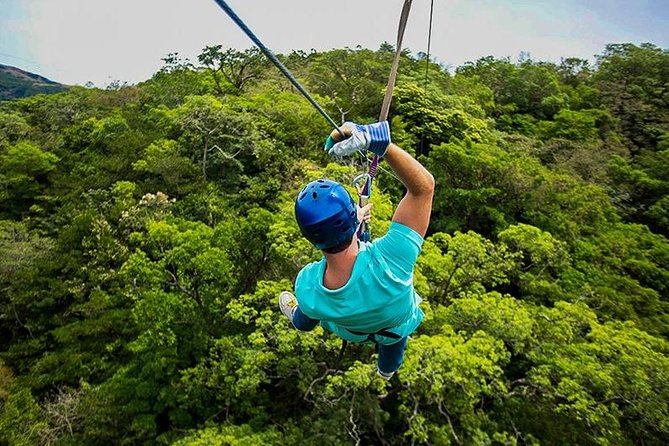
[[390, 356]]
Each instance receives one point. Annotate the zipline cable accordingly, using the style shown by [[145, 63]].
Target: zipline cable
[[268, 53], [429, 42], [427, 67]]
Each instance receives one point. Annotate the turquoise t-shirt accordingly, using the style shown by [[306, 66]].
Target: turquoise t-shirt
[[378, 295]]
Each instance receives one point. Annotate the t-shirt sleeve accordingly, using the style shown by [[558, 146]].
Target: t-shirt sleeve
[[304, 292], [400, 248]]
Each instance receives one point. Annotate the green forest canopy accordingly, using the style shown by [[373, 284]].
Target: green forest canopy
[[146, 232]]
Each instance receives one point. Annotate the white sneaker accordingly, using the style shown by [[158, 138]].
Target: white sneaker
[[288, 304], [384, 375]]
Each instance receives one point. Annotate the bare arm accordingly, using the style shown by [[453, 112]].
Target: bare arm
[[415, 208]]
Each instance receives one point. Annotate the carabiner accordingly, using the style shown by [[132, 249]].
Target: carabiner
[[363, 184]]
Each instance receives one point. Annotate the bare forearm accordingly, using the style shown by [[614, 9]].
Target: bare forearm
[[415, 208], [415, 177]]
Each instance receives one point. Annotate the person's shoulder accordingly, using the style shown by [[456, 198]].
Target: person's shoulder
[[404, 230], [399, 247], [306, 285], [398, 232], [309, 272]]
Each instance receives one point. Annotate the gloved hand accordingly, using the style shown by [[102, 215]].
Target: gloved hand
[[359, 138]]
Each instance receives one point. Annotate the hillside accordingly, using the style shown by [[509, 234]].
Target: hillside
[[16, 83]]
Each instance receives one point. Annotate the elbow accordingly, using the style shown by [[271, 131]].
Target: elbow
[[429, 184], [424, 187]]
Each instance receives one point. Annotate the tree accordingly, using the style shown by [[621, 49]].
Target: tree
[[527, 88], [176, 173], [218, 133], [13, 127], [542, 260], [472, 180], [24, 175], [574, 71], [231, 68], [176, 80], [353, 79], [633, 81], [463, 264], [640, 187]]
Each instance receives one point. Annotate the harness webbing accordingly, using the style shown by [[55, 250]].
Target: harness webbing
[[365, 191], [372, 336], [404, 17], [363, 183]]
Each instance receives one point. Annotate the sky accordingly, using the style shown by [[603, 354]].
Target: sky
[[77, 41]]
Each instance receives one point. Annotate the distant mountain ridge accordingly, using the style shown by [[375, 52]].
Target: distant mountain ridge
[[16, 83]]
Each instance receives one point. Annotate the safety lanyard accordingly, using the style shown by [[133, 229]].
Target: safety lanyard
[[363, 183]]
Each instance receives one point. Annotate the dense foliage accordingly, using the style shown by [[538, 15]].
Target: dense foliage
[[146, 232]]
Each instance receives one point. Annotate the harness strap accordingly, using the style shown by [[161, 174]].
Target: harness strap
[[385, 108], [363, 183], [365, 192], [372, 336]]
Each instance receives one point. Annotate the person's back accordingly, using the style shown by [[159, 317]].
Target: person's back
[[363, 292], [378, 295]]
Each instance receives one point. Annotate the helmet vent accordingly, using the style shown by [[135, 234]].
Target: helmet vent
[[314, 195], [324, 186], [303, 195]]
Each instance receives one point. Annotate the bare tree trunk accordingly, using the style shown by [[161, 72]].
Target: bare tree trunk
[[204, 157]]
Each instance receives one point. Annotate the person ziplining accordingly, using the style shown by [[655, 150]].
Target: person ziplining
[[360, 290]]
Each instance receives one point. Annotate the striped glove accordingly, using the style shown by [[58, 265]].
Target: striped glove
[[372, 137]]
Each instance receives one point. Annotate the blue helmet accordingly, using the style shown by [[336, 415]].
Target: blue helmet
[[326, 214]]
